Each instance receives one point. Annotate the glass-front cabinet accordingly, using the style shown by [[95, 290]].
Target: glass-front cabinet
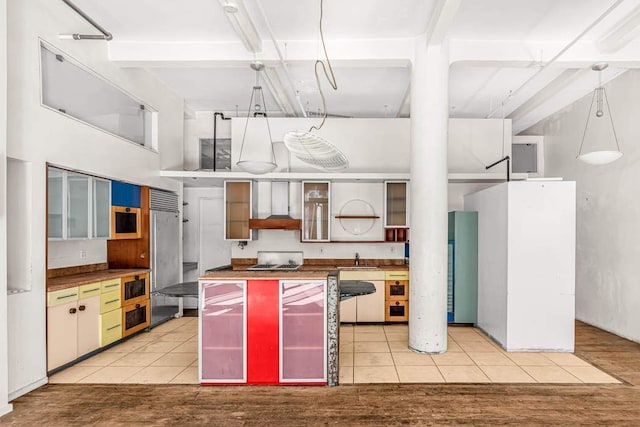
[[303, 331], [396, 211], [223, 350], [316, 196], [239, 205], [78, 205]]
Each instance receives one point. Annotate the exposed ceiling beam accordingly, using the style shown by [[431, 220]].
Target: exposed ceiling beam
[[278, 91], [371, 52], [622, 33], [242, 24], [442, 15], [583, 84]]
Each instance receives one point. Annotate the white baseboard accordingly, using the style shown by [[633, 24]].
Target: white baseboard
[[26, 389], [5, 409]]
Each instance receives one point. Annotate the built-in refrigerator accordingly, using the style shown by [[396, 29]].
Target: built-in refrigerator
[[165, 250]]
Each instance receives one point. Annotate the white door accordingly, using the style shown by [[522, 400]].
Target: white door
[[214, 250]]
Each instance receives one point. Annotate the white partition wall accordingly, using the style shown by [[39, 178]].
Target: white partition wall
[[526, 264]]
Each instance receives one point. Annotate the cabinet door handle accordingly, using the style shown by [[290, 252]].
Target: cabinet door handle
[[113, 327], [112, 285], [67, 296], [91, 290], [81, 308], [72, 311], [112, 301], [137, 305]]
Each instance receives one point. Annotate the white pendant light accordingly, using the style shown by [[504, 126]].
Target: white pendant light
[[310, 147], [603, 156], [257, 109]]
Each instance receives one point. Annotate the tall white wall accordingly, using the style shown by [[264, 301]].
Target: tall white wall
[[4, 373], [607, 291], [39, 135]]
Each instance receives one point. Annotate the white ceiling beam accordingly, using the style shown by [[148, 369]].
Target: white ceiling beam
[[622, 33], [583, 84], [344, 53], [512, 53], [442, 15], [278, 91], [242, 24]]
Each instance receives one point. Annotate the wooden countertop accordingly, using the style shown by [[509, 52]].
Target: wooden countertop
[[64, 282], [306, 271]]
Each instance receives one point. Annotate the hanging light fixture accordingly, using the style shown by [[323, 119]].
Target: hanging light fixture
[[603, 156], [310, 147], [257, 108]]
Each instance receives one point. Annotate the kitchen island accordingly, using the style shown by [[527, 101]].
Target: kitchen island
[[268, 327]]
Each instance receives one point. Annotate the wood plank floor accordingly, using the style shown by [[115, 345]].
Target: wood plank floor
[[388, 404]]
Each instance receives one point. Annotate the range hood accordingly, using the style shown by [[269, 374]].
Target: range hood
[[279, 218]]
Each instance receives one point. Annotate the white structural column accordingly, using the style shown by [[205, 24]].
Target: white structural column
[[4, 354], [429, 121]]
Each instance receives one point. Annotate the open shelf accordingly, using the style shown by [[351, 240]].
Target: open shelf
[[357, 217]]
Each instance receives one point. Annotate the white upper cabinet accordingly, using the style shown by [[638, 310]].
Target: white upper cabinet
[[78, 206]]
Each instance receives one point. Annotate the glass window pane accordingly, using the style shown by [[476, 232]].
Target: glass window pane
[[101, 208], [223, 153], [54, 202], [72, 90], [78, 206]]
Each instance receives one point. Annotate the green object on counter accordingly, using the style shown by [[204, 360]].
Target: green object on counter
[[463, 231]]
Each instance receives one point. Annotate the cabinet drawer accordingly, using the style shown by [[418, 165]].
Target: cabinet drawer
[[110, 327], [62, 296], [110, 285], [110, 301], [397, 275], [89, 290], [361, 275]]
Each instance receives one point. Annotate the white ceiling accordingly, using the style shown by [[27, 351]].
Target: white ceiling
[[496, 46]]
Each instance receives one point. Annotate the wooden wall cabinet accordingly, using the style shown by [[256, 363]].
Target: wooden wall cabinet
[[263, 332], [316, 208], [240, 202]]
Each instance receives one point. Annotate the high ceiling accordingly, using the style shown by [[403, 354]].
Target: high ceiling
[[500, 51]]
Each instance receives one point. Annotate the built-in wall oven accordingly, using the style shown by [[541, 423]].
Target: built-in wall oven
[[135, 303], [397, 296]]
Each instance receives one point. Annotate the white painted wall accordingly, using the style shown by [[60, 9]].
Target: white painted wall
[[477, 143], [201, 126], [526, 264], [66, 253], [4, 373], [607, 291], [39, 135], [492, 207]]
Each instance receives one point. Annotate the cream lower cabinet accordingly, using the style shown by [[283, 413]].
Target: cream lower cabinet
[[73, 317], [73, 323], [364, 308]]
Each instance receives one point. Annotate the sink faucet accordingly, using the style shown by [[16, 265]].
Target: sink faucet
[[357, 259]]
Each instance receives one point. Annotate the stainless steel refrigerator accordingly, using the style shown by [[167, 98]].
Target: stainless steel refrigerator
[[165, 244]]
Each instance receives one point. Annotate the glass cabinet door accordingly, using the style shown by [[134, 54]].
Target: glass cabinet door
[[222, 332], [315, 211], [238, 203], [55, 203], [101, 208], [396, 204], [77, 206], [303, 329]]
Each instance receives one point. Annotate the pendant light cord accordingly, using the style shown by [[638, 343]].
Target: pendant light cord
[[331, 79]]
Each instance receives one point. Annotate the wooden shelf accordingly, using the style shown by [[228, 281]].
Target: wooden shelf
[[275, 224], [357, 217]]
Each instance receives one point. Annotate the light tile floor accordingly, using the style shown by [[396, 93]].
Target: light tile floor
[[380, 354], [166, 354], [368, 354]]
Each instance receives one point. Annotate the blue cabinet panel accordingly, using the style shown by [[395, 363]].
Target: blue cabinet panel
[[124, 194]]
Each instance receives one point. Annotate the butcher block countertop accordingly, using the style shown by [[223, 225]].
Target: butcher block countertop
[[64, 282]]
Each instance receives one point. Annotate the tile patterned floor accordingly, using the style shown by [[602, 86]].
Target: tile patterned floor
[[166, 354], [368, 354], [379, 354]]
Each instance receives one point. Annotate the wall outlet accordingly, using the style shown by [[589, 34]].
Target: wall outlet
[[393, 249], [83, 253], [321, 250]]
